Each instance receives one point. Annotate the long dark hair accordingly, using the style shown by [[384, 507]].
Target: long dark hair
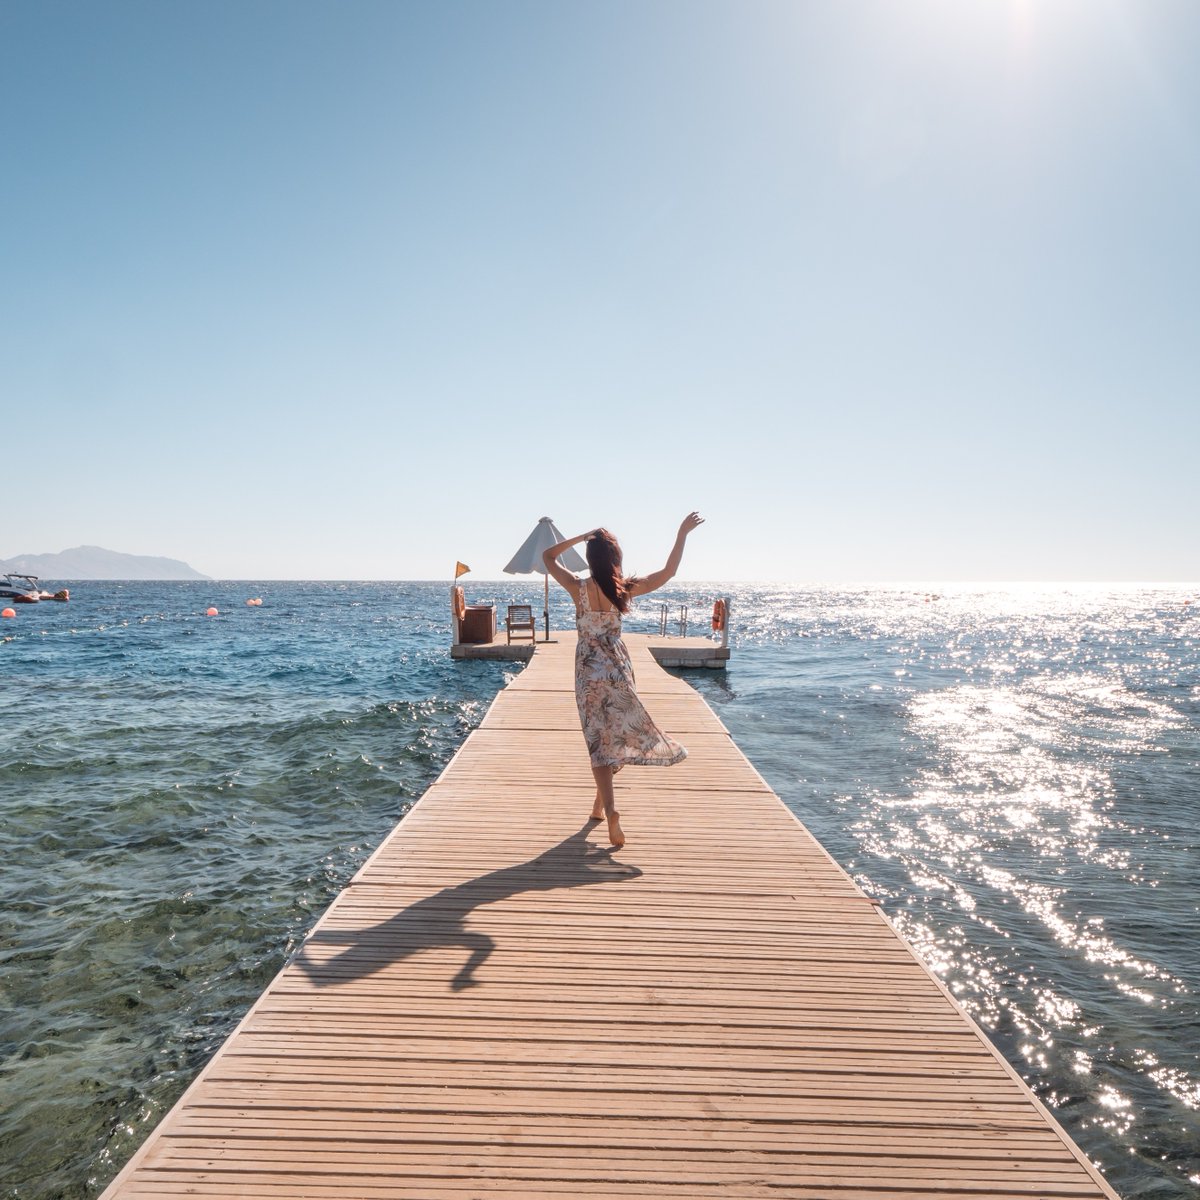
[[604, 561]]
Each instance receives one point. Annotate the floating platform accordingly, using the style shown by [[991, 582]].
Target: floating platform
[[500, 1005], [497, 651], [666, 651]]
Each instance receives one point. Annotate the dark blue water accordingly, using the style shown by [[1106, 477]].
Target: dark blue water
[[1015, 772]]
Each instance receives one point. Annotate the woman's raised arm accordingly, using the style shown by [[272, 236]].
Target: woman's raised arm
[[655, 580], [550, 559]]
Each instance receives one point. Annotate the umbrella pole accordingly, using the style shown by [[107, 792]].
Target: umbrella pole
[[546, 602]]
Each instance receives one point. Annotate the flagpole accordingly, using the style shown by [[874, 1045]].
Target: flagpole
[[460, 568]]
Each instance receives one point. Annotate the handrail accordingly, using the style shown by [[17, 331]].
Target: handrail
[[682, 619]]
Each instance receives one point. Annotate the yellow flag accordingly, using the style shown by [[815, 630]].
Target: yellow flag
[[460, 569]]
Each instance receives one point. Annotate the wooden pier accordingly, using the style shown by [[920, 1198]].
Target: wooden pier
[[498, 1005]]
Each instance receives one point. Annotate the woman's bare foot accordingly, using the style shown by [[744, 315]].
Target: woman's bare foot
[[615, 836], [597, 809]]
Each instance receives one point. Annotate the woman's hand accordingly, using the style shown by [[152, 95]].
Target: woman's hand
[[691, 521]]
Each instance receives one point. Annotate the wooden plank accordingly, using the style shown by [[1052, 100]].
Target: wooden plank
[[501, 1004]]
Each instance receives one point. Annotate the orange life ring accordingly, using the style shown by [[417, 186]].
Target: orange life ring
[[460, 603], [718, 618]]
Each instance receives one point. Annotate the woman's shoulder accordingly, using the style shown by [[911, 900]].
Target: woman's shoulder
[[597, 600]]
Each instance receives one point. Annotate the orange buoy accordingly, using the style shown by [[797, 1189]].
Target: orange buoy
[[8, 612], [718, 617], [212, 612]]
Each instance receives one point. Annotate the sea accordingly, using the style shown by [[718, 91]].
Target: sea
[[1013, 771]]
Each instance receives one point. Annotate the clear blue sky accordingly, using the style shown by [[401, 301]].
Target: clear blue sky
[[891, 290]]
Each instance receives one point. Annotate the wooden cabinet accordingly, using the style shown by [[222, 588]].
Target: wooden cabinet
[[478, 624]]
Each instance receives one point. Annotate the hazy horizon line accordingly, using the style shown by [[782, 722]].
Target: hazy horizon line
[[762, 582]]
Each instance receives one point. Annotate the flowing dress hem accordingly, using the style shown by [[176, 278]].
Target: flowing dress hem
[[632, 761]]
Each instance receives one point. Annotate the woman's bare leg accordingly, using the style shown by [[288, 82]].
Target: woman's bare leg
[[606, 800]]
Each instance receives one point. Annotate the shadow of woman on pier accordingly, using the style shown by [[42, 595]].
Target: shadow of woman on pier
[[440, 920]]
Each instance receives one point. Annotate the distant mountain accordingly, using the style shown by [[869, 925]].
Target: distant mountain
[[94, 562]]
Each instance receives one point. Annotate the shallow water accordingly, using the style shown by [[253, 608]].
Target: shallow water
[[1014, 772]]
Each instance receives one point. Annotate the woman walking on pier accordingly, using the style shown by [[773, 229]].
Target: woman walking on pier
[[616, 726]]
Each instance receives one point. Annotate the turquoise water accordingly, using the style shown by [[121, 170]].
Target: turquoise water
[[1016, 773]]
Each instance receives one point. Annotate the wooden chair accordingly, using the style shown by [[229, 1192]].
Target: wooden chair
[[520, 621]]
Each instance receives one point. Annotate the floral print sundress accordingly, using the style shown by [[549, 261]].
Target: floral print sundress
[[617, 729]]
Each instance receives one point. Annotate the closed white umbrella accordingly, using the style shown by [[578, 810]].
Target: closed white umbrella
[[528, 560]]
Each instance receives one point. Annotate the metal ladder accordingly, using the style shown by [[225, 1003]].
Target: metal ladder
[[664, 617]]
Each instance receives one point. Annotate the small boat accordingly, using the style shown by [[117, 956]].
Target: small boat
[[23, 589]]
